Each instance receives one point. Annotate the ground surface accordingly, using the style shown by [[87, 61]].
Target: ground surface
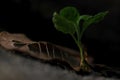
[[16, 67]]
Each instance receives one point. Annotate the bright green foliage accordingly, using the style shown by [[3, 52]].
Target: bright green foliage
[[68, 19], [70, 13], [88, 20], [63, 24]]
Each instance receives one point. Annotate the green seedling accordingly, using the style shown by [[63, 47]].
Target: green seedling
[[68, 21]]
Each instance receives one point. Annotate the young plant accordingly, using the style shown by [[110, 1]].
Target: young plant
[[68, 21]]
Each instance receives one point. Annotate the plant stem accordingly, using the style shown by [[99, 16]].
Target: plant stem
[[81, 52], [79, 44], [75, 40], [83, 65]]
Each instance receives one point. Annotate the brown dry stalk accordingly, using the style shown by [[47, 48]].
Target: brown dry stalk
[[41, 50]]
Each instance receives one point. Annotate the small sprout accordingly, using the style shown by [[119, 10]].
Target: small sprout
[[68, 21]]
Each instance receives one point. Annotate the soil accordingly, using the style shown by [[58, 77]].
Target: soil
[[15, 66], [20, 45]]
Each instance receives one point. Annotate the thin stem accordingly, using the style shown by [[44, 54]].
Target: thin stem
[[75, 39], [80, 48], [81, 52], [77, 32], [81, 34]]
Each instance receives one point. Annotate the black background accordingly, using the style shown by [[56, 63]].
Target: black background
[[34, 18]]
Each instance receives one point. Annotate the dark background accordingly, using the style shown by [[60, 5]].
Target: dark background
[[34, 18]]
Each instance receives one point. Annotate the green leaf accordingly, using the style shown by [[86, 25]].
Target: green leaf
[[62, 24], [88, 20], [85, 17], [67, 21], [71, 14], [100, 16], [94, 19]]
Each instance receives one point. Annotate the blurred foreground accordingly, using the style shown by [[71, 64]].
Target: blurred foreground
[[16, 67]]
